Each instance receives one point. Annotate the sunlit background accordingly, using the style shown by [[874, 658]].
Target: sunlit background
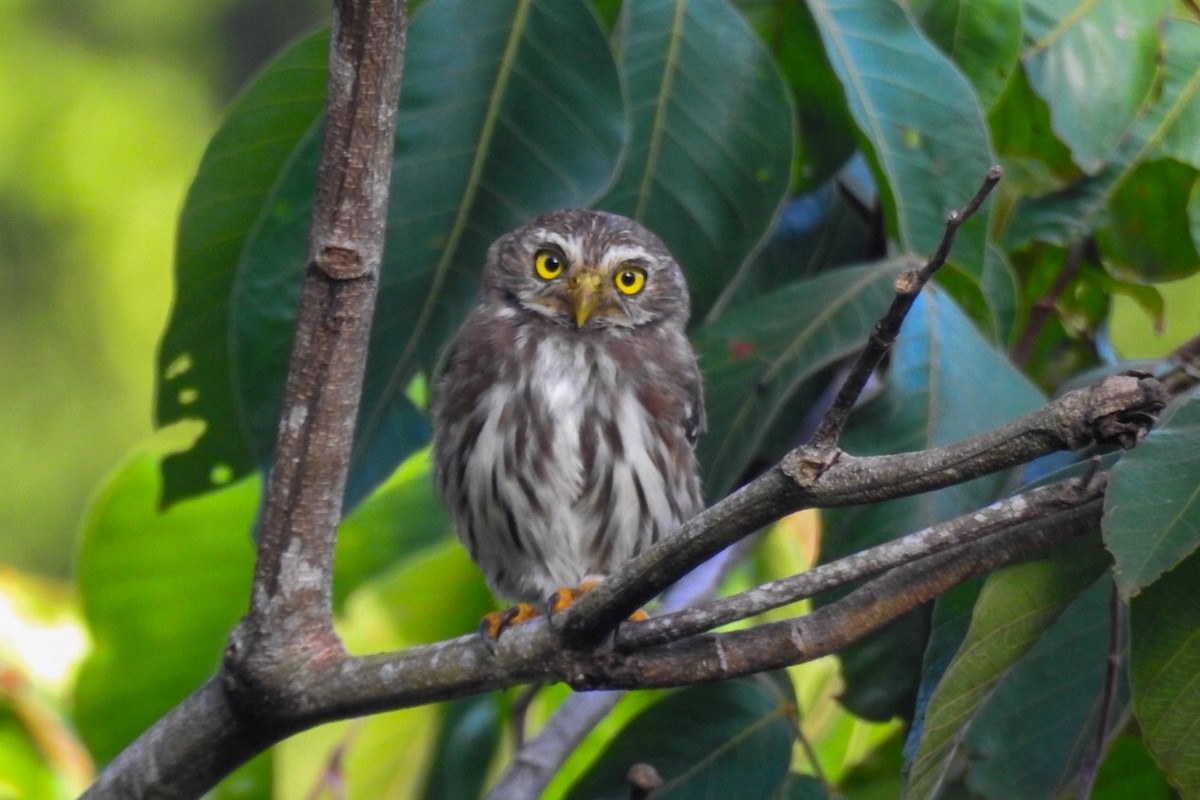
[[105, 109]]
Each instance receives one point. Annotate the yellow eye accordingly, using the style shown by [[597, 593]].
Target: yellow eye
[[549, 265], [630, 280]]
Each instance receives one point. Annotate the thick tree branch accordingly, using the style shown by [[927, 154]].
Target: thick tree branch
[[288, 632]]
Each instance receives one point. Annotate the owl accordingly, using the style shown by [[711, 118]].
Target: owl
[[565, 423]]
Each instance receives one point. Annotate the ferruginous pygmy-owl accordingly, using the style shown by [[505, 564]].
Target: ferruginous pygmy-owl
[[564, 426]]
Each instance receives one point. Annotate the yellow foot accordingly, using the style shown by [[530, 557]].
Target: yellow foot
[[493, 624], [565, 597]]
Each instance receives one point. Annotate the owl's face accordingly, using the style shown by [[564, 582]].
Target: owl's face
[[588, 270]]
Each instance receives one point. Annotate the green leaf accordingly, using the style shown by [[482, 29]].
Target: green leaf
[[1074, 212], [140, 574], [1181, 139], [825, 130], [1070, 43], [1129, 771], [945, 384], [1011, 758], [1164, 663], [738, 743], [1150, 233], [466, 744], [1152, 507], [402, 518], [983, 38], [757, 356], [492, 131], [924, 124], [1019, 608], [710, 151], [239, 168]]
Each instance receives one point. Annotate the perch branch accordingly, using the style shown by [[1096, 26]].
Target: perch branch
[[1019, 509], [1119, 409]]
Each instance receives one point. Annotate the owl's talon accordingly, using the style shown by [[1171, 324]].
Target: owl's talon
[[495, 623]]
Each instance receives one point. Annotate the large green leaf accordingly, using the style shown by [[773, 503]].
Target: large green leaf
[[982, 36], [141, 573], [1019, 609], [757, 356], [240, 166], [1164, 663], [731, 739], [1070, 43], [467, 741], [926, 130], [1152, 508], [946, 383], [1064, 670], [1149, 233], [509, 108], [825, 131], [1163, 122], [711, 142]]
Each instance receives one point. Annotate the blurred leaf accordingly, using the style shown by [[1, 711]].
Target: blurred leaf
[[140, 573], [1035, 161], [1018, 609], [1149, 232], [1066, 216], [945, 384], [239, 169], [927, 130], [250, 781], [1181, 139], [801, 787], [1151, 510], [983, 38], [379, 757], [710, 150], [738, 743], [1129, 771], [1164, 662], [434, 594], [467, 742], [1069, 43], [825, 135], [401, 519], [757, 355]]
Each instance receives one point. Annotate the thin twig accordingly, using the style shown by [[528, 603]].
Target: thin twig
[[908, 285]]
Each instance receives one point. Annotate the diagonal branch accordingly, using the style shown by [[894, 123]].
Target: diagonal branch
[[1119, 409], [908, 285]]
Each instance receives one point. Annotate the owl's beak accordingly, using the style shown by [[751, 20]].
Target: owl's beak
[[585, 289]]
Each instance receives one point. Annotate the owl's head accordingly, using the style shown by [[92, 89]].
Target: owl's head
[[588, 270]]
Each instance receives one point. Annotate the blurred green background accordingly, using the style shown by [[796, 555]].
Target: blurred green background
[[107, 106]]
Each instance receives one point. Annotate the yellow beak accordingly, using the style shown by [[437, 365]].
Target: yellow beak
[[585, 288]]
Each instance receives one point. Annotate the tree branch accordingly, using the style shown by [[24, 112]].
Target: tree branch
[[288, 631], [1120, 409]]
